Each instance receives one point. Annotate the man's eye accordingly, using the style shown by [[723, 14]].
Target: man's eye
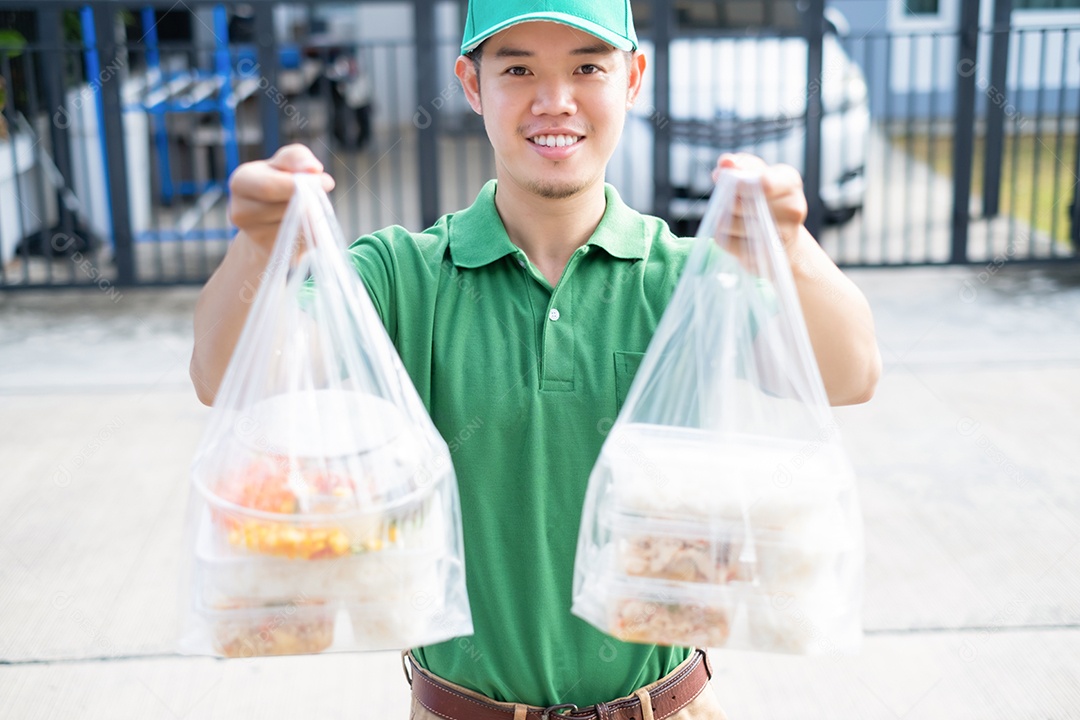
[[589, 69], [516, 70]]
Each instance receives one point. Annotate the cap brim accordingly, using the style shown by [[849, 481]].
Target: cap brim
[[592, 28]]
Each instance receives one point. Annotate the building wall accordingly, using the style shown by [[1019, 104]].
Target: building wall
[[911, 69]]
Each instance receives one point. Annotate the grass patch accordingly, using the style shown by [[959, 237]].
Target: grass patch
[[1037, 178]]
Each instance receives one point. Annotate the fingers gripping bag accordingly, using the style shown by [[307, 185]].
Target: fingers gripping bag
[[722, 510], [324, 507]]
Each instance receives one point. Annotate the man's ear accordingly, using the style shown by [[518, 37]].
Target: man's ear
[[637, 75], [465, 69]]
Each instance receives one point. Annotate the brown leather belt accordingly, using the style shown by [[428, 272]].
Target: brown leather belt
[[667, 698]]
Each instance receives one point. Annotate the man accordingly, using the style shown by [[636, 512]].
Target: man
[[523, 316]]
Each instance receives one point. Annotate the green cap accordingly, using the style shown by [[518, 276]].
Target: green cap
[[609, 20]]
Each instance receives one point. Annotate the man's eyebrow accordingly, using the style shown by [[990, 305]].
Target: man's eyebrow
[[513, 52], [598, 49]]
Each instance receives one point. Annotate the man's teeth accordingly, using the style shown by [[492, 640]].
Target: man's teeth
[[556, 140]]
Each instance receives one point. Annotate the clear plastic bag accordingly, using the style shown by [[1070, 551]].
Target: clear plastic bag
[[722, 510], [324, 507]]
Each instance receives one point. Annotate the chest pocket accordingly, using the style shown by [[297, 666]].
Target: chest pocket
[[626, 367]]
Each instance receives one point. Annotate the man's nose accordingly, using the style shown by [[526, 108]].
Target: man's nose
[[554, 97]]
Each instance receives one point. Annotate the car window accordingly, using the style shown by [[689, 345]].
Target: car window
[[725, 15]]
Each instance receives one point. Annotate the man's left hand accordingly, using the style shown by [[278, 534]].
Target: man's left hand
[[783, 189], [837, 315]]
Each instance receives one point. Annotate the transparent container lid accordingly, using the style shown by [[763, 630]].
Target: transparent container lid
[[312, 456]]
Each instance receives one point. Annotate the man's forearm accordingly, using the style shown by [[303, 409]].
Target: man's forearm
[[221, 312], [839, 321]]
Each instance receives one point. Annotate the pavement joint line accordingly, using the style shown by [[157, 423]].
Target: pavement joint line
[[990, 364], [966, 629], [131, 657], [1067, 363], [140, 389], [873, 633]]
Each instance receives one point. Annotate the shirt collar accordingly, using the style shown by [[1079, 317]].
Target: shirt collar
[[621, 231], [478, 236]]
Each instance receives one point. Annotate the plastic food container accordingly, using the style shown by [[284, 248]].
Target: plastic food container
[[251, 630], [687, 474], [310, 539], [676, 550], [258, 605], [734, 615], [700, 540], [296, 485], [685, 582], [312, 536], [386, 624], [395, 576], [669, 613], [255, 628], [719, 553], [812, 625]]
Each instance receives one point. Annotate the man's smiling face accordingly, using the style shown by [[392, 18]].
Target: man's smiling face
[[554, 100]]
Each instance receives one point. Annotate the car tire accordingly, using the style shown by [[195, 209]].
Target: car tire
[[363, 122], [352, 126], [839, 216]]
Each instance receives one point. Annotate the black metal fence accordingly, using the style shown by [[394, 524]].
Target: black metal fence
[[973, 153], [122, 124]]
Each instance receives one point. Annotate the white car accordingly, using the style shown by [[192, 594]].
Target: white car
[[747, 94]]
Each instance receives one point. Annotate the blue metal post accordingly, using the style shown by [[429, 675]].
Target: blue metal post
[[223, 68], [107, 84], [157, 111], [267, 55], [93, 71]]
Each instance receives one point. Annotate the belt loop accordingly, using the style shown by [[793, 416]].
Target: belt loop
[[520, 711], [646, 704], [405, 660], [603, 712], [705, 659]]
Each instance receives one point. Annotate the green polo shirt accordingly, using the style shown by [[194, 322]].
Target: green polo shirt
[[524, 380]]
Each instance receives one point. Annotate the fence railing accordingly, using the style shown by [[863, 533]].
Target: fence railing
[[974, 154], [122, 124]]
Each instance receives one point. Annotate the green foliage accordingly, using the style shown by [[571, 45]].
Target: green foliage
[[11, 42]]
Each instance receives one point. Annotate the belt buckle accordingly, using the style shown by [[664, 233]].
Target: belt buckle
[[570, 707]]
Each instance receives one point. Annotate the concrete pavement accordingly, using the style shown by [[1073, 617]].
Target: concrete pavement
[[970, 485]]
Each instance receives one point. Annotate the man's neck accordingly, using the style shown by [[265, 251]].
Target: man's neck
[[549, 231]]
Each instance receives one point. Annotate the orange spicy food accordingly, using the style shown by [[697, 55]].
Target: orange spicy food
[[265, 486]]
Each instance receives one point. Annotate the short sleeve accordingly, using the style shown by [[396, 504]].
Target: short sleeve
[[373, 259]]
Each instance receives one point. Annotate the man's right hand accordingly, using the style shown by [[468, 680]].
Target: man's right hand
[[260, 192]]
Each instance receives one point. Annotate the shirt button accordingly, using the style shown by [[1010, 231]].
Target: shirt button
[[521, 262], [553, 315]]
